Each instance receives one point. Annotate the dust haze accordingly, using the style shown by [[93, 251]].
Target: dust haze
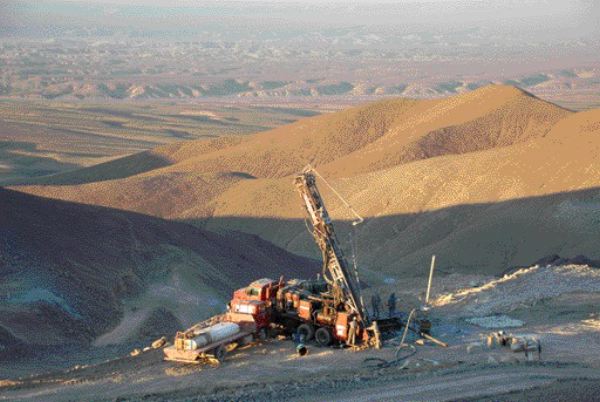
[[297, 50]]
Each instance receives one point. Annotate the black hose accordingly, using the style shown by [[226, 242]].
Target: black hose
[[382, 363]]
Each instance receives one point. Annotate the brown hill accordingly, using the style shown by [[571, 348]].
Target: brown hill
[[491, 117], [482, 179], [72, 272], [483, 210], [383, 134], [182, 180]]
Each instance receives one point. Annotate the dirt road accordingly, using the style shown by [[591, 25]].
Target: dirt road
[[463, 383], [272, 372]]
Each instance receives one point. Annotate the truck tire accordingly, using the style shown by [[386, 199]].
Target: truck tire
[[323, 336], [245, 340], [220, 353], [306, 330], [289, 326]]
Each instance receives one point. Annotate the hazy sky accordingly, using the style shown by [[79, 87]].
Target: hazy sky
[[199, 2], [544, 19], [399, 40]]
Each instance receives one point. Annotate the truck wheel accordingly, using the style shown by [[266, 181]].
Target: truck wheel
[[220, 353], [290, 326], [306, 330], [323, 337]]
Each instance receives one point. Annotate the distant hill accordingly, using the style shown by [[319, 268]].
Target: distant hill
[[362, 139], [136, 85], [71, 272], [487, 179]]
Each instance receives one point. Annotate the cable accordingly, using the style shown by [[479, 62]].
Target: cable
[[359, 218], [382, 363], [352, 236], [388, 363]]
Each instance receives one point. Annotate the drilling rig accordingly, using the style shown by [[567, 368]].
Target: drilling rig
[[327, 313], [328, 309]]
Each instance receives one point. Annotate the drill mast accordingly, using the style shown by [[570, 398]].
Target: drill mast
[[344, 286]]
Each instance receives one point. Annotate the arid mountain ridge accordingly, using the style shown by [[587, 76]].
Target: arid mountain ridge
[[487, 179]]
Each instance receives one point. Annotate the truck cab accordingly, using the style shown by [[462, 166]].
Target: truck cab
[[261, 289], [256, 300], [257, 309]]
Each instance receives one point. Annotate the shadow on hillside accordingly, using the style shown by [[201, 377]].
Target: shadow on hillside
[[68, 233], [94, 258], [483, 238], [21, 160], [116, 169], [66, 268]]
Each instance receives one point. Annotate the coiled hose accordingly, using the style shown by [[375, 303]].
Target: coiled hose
[[383, 363]]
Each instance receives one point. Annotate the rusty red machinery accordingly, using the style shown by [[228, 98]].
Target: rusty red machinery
[[332, 308], [328, 309], [248, 318]]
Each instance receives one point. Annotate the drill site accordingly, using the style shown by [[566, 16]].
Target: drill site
[[299, 200], [454, 337], [329, 311]]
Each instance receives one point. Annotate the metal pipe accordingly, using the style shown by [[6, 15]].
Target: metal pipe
[[430, 278], [407, 325], [434, 340]]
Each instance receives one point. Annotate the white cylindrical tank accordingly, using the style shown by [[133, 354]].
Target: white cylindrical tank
[[211, 334]]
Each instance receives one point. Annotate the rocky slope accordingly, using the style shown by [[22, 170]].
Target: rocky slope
[[71, 272], [487, 179]]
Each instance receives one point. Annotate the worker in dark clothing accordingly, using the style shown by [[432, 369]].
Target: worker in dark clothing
[[376, 304], [352, 331], [391, 304]]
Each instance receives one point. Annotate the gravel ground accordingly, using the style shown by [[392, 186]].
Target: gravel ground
[[568, 325], [563, 390], [524, 287]]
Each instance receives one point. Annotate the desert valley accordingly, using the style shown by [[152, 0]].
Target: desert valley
[[138, 247], [133, 204]]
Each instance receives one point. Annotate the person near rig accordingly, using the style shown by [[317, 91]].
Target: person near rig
[[391, 304], [352, 332], [376, 305]]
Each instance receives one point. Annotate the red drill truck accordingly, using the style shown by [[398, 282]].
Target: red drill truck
[[248, 318], [329, 309]]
